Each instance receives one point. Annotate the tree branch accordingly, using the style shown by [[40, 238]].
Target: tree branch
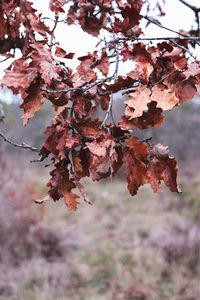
[[194, 8], [189, 38], [22, 145], [82, 88], [185, 49], [109, 110], [196, 12], [163, 27], [54, 27]]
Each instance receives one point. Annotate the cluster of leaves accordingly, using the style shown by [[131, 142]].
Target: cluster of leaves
[[80, 145]]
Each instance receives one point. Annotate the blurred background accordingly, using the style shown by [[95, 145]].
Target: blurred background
[[121, 247]]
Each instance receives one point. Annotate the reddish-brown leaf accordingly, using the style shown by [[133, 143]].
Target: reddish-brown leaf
[[60, 52], [136, 171], [103, 63], [49, 71], [21, 77], [165, 98], [99, 147], [139, 149], [130, 16], [137, 102], [186, 90], [162, 167], [56, 6], [70, 200], [32, 103]]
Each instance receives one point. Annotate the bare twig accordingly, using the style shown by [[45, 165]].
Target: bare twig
[[198, 22], [194, 8], [82, 88], [5, 59], [189, 38], [108, 111], [163, 27], [53, 29], [40, 158], [22, 145], [185, 49], [196, 12], [53, 20], [115, 75], [165, 77]]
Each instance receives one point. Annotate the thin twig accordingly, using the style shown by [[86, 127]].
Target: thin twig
[[163, 27], [185, 49], [198, 22], [115, 75], [54, 27], [22, 145], [108, 111], [82, 88], [165, 77], [189, 38], [5, 59], [194, 8], [196, 12], [40, 158], [53, 20]]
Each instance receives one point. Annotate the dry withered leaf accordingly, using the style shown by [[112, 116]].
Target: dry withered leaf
[[70, 200], [32, 103], [103, 64], [165, 98], [60, 52], [137, 102], [162, 167], [99, 146]]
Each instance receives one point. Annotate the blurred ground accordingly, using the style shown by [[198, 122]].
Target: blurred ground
[[145, 247]]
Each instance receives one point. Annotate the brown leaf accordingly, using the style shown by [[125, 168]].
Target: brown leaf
[[56, 6], [84, 71], [153, 117], [162, 167], [137, 102], [136, 171], [70, 200], [89, 22], [135, 157], [192, 70], [140, 149], [98, 147], [49, 71], [62, 53], [21, 77], [103, 63], [130, 16], [32, 103], [186, 90], [165, 98]]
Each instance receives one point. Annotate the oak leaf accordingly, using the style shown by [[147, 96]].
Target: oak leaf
[[32, 103], [137, 102], [162, 167], [164, 98]]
